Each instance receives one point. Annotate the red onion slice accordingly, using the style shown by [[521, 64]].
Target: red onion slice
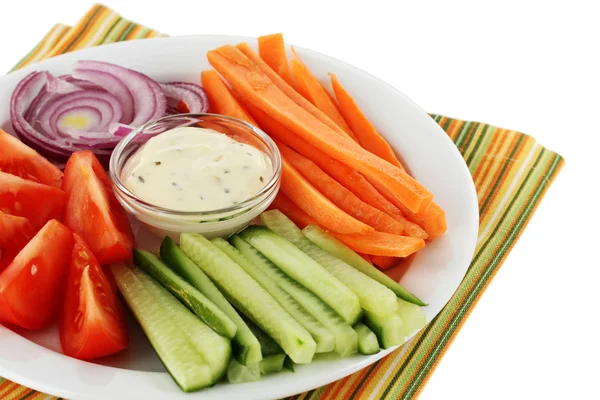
[[193, 96]]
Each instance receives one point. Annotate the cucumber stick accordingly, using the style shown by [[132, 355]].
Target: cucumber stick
[[389, 330], [305, 271], [194, 355], [268, 346], [205, 309], [250, 298], [246, 347], [238, 373], [323, 338], [272, 364], [413, 318], [344, 336], [373, 296], [346, 254], [367, 341]]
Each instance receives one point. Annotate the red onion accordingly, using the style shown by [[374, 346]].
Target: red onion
[[192, 95]]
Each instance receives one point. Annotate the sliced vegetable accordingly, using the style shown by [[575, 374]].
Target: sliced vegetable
[[272, 364], [339, 195], [91, 322], [31, 286], [16, 158], [373, 296], [381, 243], [238, 373], [305, 271], [333, 246], [288, 364], [271, 49], [205, 309], [246, 347], [92, 210], [185, 97], [295, 213], [432, 219], [249, 297], [345, 337], [15, 233], [366, 133], [309, 199], [413, 317], [389, 330], [194, 355], [323, 338], [384, 262], [268, 346], [367, 341], [311, 89], [34, 201], [248, 80], [366, 257], [221, 99]]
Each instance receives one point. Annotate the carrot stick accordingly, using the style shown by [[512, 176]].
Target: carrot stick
[[365, 257], [383, 262], [432, 219], [381, 243], [339, 195], [272, 50], [311, 89], [288, 89], [327, 214], [345, 175], [220, 98], [366, 133], [256, 87], [293, 212]]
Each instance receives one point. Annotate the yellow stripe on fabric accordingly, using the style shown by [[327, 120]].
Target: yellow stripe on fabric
[[49, 41]]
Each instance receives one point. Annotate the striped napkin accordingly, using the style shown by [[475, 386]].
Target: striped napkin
[[511, 172]]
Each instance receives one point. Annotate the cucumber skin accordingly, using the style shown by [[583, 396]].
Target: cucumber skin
[[346, 304], [246, 347], [413, 318], [344, 253], [268, 346], [187, 294], [272, 363], [367, 340], [324, 339], [304, 354], [389, 330]]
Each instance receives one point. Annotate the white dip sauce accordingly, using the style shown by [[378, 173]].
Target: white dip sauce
[[196, 169]]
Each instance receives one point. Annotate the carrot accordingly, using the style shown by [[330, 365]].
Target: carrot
[[383, 262], [367, 135], [256, 87], [339, 195], [327, 214], [432, 219], [293, 212], [288, 89], [220, 98], [311, 89], [365, 257], [381, 243], [345, 175], [272, 50]]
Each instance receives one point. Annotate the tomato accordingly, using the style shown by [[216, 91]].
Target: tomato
[[91, 322], [93, 211], [31, 287], [34, 201], [17, 158], [15, 233]]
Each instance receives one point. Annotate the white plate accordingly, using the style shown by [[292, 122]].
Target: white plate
[[34, 359]]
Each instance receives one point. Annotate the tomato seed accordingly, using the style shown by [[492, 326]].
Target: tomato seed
[[109, 309], [18, 206], [34, 269], [79, 319], [84, 255]]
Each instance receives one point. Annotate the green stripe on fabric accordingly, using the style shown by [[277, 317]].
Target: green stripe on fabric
[[480, 139], [31, 393], [372, 367], [34, 50], [126, 32], [108, 38], [84, 29]]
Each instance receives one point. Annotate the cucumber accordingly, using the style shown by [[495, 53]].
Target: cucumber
[[323, 338], [205, 309], [336, 248], [246, 347], [238, 373], [305, 271], [367, 341], [373, 296], [194, 355], [250, 298], [413, 318], [344, 336], [288, 364], [272, 364], [268, 346], [389, 330]]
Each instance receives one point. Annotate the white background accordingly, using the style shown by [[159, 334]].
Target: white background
[[528, 66]]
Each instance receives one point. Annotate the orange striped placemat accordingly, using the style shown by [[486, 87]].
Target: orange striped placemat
[[511, 171]]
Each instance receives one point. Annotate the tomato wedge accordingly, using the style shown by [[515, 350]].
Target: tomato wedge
[[93, 211], [15, 233], [34, 201], [31, 287], [91, 323], [17, 158]]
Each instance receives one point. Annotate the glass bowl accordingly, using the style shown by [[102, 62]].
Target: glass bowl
[[221, 222]]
